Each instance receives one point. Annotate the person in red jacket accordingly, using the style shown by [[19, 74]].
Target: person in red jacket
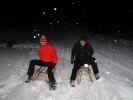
[[48, 58]]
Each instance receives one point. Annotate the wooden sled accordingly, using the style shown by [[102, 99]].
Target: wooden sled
[[39, 71], [79, 73]]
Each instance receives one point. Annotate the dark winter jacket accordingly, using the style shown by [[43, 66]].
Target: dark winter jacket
[[79, 53]]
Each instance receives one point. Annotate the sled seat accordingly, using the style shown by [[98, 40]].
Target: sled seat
[[39, 70]]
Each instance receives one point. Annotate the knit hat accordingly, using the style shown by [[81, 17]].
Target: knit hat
[[43, 40]]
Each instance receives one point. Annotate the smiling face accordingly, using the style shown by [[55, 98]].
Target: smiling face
[[82, 43]]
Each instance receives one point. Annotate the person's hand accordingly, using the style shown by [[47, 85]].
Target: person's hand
[[93, 58]]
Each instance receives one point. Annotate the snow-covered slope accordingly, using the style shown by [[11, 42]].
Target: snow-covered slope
[[115, 62]]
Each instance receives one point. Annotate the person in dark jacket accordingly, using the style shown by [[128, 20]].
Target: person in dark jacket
[[48, 58], [82, 53]]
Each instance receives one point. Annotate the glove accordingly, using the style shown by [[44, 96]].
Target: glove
[[93, 58]]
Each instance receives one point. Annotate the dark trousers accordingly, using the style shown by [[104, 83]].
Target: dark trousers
[[78, 64], [50, 66]]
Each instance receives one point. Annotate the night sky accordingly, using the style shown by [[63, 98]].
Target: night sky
[[105, 18]]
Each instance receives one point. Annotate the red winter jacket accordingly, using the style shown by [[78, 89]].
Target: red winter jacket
[[47, 53]]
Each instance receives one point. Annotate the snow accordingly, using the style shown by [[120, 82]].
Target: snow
[[114, 59]]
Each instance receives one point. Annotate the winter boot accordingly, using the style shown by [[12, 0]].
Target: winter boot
[[72, 83], [97, 76], [28, 80], [52, 85]]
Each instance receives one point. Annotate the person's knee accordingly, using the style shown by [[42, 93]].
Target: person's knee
[[32, 63], [93, 63], [53, 65]]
